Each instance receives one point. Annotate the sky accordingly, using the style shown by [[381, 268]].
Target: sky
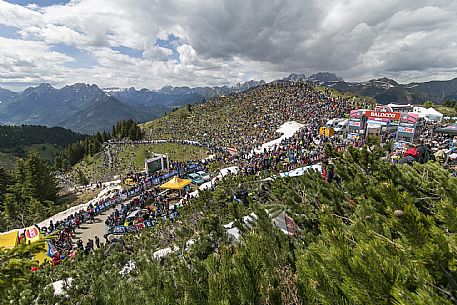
[[153, 43]]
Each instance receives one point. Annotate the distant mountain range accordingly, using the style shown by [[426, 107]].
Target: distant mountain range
[[320, 77], [80, 107], [386, 90], [177, 96], [87, 108]]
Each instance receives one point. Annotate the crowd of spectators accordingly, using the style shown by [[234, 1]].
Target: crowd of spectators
[[243, 123], [246, 120]]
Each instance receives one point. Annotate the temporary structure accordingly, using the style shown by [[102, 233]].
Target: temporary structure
[[429, 114], [434, 115], [9, 240], [175, 183]]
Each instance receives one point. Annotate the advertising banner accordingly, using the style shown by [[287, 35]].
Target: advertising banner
[[395, 116], [232, 151], [119, 230], [384, 109], [139, 226], [355, 114], [406, 129], [408, 119], [356, 120], [132, 228], [32, 234], [401, 145], [407, 124], [149, 223]]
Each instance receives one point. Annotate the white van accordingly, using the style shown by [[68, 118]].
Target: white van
[[333, 123], [342, 126]]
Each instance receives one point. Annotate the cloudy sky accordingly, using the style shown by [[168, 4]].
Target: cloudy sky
[[151, 43]]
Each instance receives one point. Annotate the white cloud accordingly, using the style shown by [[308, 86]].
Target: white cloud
[[153, 52], [222, 41], [30, 62], [18, 16]]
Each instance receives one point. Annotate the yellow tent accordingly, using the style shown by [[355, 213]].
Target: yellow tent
[[42, 257], [175, 183], [9, 240], [46, 254]]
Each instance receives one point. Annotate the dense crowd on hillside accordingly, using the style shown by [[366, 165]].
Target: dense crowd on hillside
[[249, 119], [311, 108], [145, 205]]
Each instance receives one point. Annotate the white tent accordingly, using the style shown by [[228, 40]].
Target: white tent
[[429, 114], [433, 115]]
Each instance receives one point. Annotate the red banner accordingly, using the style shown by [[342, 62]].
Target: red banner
[[383, 115], [409, 119]]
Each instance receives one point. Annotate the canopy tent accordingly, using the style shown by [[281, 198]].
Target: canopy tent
[[429, 114], [175, 183], [434, 115], [451, 130], [46, 254], [9, 240]]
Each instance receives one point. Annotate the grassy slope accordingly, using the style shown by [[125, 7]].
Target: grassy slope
[[131, 158], [92, 168], [7, 161], [46, 151], [344, 94], [447, 111], [176, 152]]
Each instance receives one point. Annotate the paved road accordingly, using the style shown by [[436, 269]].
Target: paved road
[[88, 230]]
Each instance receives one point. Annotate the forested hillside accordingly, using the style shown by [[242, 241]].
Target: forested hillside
[[13, 139], [29, 194]]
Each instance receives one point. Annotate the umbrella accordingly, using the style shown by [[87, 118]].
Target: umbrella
[[451, 130]]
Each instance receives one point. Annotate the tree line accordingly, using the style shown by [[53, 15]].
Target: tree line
[[451, 104], [29, 194], [14, 139], [127, 129], [76, 152]]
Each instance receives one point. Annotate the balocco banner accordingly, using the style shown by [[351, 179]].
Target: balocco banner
[[383, 115]]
